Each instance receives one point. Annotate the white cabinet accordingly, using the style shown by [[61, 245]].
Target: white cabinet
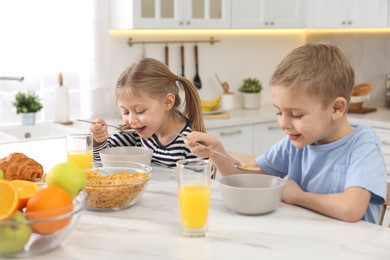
[[347, 13], [268, 13], [236, 138], [170, 14], [265, 135], [384, 135]]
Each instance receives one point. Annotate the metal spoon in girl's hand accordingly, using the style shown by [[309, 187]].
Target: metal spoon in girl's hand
[[122, 128], [238, 165]]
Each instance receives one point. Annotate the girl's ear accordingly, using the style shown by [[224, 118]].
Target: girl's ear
[[340, 107], [169, 101]]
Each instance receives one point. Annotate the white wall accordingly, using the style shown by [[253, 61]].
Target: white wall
[[237, 55]]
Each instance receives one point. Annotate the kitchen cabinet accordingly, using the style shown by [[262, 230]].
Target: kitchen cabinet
[[235, 138], [265, 135], [170, 14], [268, 13], [384, 134], [347, 13]]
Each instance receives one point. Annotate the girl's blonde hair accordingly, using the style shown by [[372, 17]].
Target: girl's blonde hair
[[321, 69], [152, 77]]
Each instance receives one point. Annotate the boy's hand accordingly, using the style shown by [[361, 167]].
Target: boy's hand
[[197, 137], [291, 191], [99, 131]]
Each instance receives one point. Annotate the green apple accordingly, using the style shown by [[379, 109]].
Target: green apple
[[67, 176], [14, 234], [1, 174]]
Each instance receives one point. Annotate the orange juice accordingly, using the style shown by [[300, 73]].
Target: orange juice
[[82, 158], [194, 203]]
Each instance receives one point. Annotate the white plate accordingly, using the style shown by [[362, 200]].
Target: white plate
[[218, 111], [358, 99]]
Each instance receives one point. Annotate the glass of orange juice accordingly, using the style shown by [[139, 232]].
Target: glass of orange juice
[[194, 195], [80, 150]]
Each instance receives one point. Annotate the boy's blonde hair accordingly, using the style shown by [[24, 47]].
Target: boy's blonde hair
[[153, 78], [320, 69]]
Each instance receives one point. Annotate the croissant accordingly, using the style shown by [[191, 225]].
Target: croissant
[[19, 166], [362, 89]]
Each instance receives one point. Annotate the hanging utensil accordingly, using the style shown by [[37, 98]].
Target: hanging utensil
[[166, 55], [197, 82], [182, 59]]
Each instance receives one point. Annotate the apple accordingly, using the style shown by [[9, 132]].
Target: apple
[[67, 176], [13, 234]]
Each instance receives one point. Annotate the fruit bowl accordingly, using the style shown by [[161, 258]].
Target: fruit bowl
[[21, 235], [113, 188]]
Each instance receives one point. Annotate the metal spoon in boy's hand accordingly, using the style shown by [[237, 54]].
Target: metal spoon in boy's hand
[[238, 165]]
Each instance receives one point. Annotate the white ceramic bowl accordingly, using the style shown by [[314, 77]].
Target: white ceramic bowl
[[251, 194], [126, 154]]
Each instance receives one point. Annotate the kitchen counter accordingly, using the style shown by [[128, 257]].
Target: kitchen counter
[[150, 230]]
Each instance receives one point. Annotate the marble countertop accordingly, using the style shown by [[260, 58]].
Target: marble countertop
[[150, 230]]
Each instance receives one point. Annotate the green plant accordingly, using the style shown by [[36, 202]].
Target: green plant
[[27, 102], [251, 85]]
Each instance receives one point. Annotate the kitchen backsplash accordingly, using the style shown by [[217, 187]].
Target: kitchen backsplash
[[254, 54], [369, 54]]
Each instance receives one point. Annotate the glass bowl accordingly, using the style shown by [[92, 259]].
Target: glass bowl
[[117, 186], [16, 230]]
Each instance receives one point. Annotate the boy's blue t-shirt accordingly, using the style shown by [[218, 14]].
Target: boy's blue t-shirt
[[353, 161]]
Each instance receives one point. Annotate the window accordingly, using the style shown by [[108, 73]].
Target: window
[[40, 39]]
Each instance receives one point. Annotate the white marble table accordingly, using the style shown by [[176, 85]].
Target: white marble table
[[150, 230]]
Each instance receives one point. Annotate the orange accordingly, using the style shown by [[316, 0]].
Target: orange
[[9, 199], [48, 206], [25, 190]]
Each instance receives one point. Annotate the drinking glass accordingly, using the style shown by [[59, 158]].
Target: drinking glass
[[80, 150], [194, 195]]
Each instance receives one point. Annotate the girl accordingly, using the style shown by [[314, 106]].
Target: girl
[[148, 98]]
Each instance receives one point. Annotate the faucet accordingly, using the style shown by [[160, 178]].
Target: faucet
[[12, 78]]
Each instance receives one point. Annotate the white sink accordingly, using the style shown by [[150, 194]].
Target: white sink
[[6, 137], [38, 131]]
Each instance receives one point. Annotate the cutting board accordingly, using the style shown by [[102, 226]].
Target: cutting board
[[222, 115], [362, 110]]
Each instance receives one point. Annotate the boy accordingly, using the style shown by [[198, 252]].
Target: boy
[[331, 167]]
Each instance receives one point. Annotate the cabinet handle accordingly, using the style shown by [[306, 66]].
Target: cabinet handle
[[343, 22], [272, 127], [272, 23], [266, 23], [385, 142], [237, 132], [188, 22], [181, 22]]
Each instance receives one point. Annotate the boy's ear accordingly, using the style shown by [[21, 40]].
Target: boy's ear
[[340, 107], [169, 101]]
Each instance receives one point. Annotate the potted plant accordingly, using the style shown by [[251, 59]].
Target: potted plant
[[27, 104], [250, 89]]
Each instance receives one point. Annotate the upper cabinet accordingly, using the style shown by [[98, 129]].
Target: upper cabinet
[[347, 13], [170, 14], [271, 14]]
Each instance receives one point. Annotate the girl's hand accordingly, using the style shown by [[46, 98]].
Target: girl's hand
[[99, 131]]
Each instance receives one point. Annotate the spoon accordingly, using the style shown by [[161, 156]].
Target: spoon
[[120, 127], [237, 165]]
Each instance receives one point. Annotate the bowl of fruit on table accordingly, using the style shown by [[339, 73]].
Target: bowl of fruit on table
[[36, 217]]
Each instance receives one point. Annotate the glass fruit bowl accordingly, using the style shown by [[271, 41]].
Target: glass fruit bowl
[[113, 186], [29, 234]]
